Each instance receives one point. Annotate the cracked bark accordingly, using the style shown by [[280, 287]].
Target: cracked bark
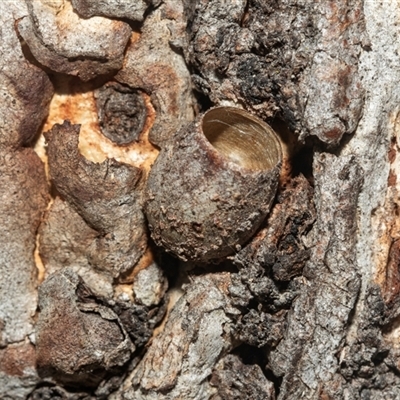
[[308, 308]]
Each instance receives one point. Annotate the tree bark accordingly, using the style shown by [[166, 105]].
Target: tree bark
[[91, 308]]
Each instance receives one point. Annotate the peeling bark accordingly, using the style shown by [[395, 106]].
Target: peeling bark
[[322, 311], [25, 90], [106, 195], [236, 380], [96, 339], [64, 240], [57, 38], [195, 337], [153, 65]]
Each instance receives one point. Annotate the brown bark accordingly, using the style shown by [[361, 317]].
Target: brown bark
[[306, 306]]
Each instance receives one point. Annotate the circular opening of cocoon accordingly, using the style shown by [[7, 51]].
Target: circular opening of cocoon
[[242, 138]]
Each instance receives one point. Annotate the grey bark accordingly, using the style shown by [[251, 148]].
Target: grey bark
[[308, 308]]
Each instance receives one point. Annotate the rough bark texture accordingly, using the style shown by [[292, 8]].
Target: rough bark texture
[[236, 381], [23, 200], [306, 308], [64, 240], [195, 337], [153, 65], [57, 38], [122, 112], [295, 58], [96, 340], [25, 90], [270, 267], [113, 8], [25, 93], [106, 195], [330, 287]]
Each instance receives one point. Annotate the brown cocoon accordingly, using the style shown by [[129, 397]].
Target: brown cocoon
[[213, 184]]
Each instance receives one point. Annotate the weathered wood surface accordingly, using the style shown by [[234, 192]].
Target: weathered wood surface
[[307, 309]]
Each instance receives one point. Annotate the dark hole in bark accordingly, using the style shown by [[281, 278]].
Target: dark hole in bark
[[251, 355], [50, 391], [302, 161], [122, 113]]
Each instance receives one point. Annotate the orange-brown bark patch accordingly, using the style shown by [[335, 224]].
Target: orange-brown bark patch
[[14, 359]]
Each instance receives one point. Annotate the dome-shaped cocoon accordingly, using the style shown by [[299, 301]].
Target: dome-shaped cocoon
[[213, 184]]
